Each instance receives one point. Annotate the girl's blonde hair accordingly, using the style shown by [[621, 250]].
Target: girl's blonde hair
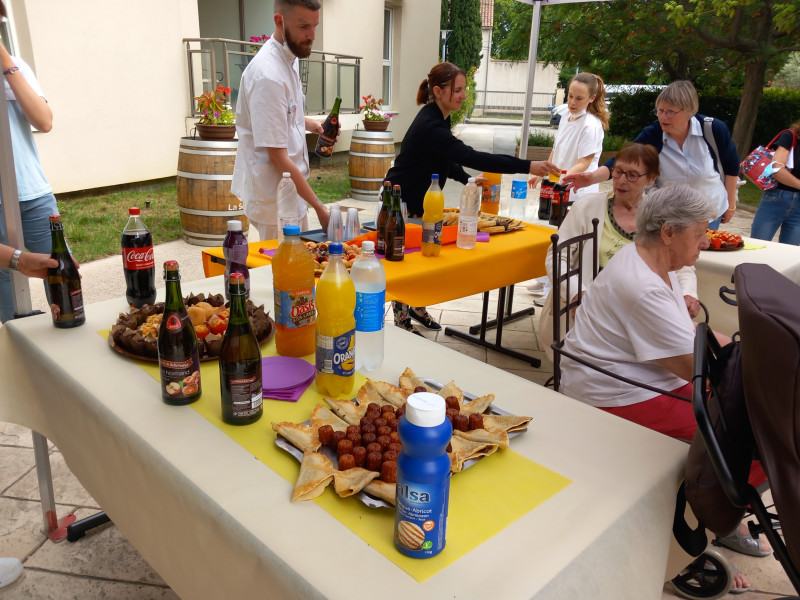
[[597, 89]]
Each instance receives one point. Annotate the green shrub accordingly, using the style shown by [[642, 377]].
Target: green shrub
[[540, 138], [613, 143]]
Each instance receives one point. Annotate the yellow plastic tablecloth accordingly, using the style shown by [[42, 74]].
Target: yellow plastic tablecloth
[[421, 281]]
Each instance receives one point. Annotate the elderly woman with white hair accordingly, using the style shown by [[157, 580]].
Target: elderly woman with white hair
[[633, 318]]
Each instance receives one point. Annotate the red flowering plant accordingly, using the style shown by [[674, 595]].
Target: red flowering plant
[[256, 42], [372, 109], [214, 108]]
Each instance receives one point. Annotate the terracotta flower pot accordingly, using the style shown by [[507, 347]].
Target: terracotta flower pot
[[211, 133], [375, 125]]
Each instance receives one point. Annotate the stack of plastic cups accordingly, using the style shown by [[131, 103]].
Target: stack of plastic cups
[[335, 231], [352, 228]]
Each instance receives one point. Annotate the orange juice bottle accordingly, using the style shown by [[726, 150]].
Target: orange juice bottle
[[336, 327], [432, 217], [490, 199], [293, 282]]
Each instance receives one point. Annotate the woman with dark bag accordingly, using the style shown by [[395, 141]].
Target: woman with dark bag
[[780, 207]]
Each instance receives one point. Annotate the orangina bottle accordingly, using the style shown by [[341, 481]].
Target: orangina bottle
[[336, 327], [293, 284], [433, 214]]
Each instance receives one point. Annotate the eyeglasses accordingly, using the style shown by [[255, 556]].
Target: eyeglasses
[[632, 176], [667, 113]]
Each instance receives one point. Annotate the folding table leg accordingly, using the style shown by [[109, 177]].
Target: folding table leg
[[54, 528]]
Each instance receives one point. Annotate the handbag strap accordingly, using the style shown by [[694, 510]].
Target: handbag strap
[[779, 134]]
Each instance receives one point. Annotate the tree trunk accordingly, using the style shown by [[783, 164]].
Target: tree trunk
[[748, 106]]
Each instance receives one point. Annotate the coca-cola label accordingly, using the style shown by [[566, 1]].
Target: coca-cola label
[[137, 259]]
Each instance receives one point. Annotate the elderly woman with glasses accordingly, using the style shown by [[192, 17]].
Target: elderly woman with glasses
[[636, 168], [693, 149]]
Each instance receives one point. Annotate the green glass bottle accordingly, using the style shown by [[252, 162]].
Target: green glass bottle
[[383, 217], [330, 131], [178, 358], [240, 362], [396, 229], [63, 281]]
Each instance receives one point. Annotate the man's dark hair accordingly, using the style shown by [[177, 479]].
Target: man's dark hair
[[282, 5]]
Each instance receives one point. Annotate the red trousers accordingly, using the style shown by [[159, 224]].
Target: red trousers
[[674, 418]]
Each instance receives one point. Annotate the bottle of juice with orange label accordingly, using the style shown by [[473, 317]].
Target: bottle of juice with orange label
[[293, 283], [432, 217], [490, 198], [336, 327]]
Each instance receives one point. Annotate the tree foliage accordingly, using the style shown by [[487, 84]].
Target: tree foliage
[[464, 44], [789, 75]]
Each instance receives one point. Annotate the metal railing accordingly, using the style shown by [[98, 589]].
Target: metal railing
[[325, 75], [495, 102]]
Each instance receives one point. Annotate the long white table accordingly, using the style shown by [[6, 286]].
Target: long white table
[[714, 269], [216, 523]]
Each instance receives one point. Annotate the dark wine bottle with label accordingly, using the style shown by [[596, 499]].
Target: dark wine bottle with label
[[383, 217], [63, 281], [396, 229], [240, 362], [330, 128], [178, 357]]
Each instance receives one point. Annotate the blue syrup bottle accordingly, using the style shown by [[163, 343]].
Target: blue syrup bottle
[[423, 477]]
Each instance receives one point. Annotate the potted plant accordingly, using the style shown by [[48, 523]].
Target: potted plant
[[256, 41], [374, 118], [540, 144], [217, 120]]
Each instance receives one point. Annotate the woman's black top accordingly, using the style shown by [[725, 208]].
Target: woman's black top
[[430, 147], [785, 140]]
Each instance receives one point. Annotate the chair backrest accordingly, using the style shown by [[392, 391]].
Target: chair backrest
[[564, 253], [769, 325]]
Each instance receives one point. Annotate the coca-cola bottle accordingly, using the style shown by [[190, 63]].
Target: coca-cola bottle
[[137, 261], [178, 357]]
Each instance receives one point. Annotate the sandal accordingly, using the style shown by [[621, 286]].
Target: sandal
[[421, 315], [743, 543]]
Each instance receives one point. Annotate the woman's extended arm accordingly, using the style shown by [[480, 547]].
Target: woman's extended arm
[[34, 107]]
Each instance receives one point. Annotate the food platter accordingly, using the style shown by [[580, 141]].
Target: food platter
[[135, 334], [374, 492], [487, 223], [723, 241]]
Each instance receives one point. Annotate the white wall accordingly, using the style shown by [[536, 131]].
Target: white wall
[[114, 73]]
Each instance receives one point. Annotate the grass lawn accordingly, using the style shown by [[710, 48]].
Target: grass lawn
[[93, 223], [750, 194]]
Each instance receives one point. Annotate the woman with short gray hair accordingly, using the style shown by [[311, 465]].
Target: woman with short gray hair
[[633, 319]]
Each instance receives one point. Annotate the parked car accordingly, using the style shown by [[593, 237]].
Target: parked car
[[556, 113]]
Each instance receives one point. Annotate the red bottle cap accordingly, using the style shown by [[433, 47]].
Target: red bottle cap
[[133, 210]]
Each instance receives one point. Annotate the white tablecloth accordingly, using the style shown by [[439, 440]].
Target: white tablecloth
[[216, 523], [715, 269]]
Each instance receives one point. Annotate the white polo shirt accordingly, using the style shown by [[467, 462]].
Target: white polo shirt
[[692, 165], [576, 139], [269, 114]]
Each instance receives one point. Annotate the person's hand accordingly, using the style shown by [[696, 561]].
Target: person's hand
[[314, 126], [34, 264], [534, 181], [479, 181], [692, 305], [576, 181], [728, 215], [324, 215], [543, 168]]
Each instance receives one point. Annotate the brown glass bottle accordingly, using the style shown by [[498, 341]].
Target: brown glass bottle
[[240, 362], [63, 281], [330, 131], [396, 229], [383, 217], [178, 358]]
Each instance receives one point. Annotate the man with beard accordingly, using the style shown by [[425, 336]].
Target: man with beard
[[270, 121]]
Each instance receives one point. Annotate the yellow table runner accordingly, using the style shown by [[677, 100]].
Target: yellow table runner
[[484, 499]]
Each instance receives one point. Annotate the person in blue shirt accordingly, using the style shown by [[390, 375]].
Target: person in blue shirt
[[693, 149], [27, 107]]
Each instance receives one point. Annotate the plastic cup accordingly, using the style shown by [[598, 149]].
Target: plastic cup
[[335, 225], [352, 227]]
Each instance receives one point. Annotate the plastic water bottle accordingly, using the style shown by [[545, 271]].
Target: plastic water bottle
[[519, 197], [468, 215], [287, 204], [235, 250], [370, 281], [423, 477]]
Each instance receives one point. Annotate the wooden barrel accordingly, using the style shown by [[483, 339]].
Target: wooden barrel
[[205, 170], [371, 155]]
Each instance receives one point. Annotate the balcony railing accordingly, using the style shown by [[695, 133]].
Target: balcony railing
[[503, 103], [325, 75]]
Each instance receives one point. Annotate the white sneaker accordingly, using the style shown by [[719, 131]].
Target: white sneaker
[[536, 288], [10, 570]]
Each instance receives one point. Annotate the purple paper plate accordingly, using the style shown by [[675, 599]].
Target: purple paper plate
[[284, 372]]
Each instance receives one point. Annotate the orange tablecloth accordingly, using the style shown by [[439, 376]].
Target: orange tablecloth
[[421, 281]]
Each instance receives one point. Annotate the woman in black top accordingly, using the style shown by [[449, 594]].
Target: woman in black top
[[430, 147], [780, 207]]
